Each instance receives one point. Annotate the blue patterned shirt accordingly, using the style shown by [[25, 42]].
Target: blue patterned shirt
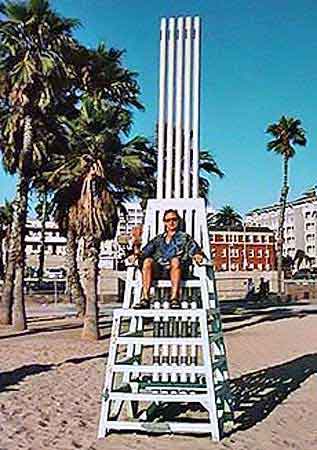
[[182, 245]]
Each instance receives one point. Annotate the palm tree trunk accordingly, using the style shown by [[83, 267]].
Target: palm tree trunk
[[14, 250], [7, 290], [280, 239], [18, 307], [1, 253], [75, 290], [91, 330], [42, 243]]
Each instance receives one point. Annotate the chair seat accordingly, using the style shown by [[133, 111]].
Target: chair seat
[[194, 282]]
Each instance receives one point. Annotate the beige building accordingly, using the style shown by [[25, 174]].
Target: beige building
[[300, 229], [55, 243]]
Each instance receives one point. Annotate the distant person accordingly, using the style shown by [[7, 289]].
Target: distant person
[[250, 291], [267, 288], [263, 290]]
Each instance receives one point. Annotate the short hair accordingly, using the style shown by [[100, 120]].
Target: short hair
[[169, 211]]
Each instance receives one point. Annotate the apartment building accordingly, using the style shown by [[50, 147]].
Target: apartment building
[[55, 243], [300, 228], [243, 249], [132, 217]]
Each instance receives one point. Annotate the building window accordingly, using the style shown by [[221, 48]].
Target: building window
[[310, 237], [251, 252], [311, 249], [309, 226], [223, 252]]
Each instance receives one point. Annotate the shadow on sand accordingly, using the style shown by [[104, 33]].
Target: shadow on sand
[[44, 326], [257, 394], [15, 376]]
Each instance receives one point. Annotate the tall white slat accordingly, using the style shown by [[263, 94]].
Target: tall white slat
[[179, 107], [196, 107], [187, 106], [162, 107], [170, 107]]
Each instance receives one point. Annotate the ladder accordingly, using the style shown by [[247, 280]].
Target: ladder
[[167, 369]]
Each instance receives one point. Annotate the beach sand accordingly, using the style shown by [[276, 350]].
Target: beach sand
[[51, 382]]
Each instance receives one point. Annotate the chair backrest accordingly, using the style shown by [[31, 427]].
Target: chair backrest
[[192, 212]]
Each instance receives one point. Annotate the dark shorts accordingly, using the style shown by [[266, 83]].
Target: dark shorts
[[163, 271]]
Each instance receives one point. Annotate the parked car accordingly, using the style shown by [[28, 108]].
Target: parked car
[[55, 273]]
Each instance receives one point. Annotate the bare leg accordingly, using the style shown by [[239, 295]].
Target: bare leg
[[147, 276], [176, 276]]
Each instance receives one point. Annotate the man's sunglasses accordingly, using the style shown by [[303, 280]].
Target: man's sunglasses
[[174, 219]]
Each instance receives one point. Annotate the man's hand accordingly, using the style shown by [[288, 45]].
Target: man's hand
[[198, 258]]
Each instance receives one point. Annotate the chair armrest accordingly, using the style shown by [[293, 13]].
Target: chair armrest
[[206, 263]]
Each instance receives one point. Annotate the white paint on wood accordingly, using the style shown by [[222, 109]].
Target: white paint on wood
[[179, 107], [170, 108], [187, 105], [196, 107], [162, 107]]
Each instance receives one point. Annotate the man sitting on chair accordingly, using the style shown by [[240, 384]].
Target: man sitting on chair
[[171, 252]]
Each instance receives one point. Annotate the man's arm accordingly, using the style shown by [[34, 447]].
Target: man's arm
[[149, 248], [194, 251]]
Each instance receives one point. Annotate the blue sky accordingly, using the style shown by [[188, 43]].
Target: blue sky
[[259, 61]]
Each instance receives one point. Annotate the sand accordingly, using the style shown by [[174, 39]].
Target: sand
[[51, 381]]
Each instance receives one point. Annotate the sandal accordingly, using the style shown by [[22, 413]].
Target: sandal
[[144, 304], [175, 303]]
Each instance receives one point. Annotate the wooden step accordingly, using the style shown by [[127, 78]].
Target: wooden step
[[190, 397], [138, 368], [161, 427]]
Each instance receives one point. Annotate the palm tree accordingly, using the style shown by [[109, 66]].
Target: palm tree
[[91, 181], [64, 197], [43, 209], [228, 218], [6, 213], [286, 133], [207, 166], [300, 257], [36, 66]]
